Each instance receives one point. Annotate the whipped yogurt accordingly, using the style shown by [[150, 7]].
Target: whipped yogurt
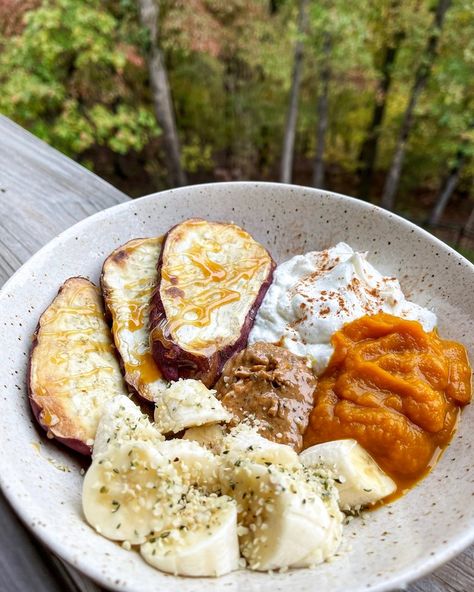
[[313, 295]]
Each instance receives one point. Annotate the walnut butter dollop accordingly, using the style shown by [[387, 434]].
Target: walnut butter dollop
[[272, 387], [396, 389]]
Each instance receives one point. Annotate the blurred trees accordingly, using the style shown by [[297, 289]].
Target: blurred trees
[[70, 76], [149, 11], [388, 26], [287, 153], [451, 180], [203, 88], [421, 78]]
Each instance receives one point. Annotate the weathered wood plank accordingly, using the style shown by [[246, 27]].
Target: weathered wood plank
[[455, 576], [42, 193], [22, 567]]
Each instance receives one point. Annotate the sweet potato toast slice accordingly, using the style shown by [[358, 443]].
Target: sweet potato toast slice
[[213, 277], [129, 276], [73, 365]]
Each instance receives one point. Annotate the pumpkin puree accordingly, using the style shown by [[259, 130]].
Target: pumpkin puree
[[394, 388]]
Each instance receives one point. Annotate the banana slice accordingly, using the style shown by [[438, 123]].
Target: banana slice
[[283, 519], [203, 541], [131, 490], [209, 436], [121, 421], [358, 477], [195, 464], [326, 540], [188, 403], [244, 441]]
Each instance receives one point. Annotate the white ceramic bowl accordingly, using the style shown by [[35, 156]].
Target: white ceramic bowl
[[391, 546]]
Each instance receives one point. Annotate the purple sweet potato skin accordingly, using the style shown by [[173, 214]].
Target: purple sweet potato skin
[[72, 443], [176, 362]]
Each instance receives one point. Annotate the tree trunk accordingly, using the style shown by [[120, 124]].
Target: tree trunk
[[323, 115], [231, 90], [421, 78], [368, 152], [467, 228], [163, 104], [448, 187], [274, 6], [286, 165]]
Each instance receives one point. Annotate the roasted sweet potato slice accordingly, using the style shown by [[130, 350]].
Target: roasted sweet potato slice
[[129, 276], [213, 277], [73, 365]]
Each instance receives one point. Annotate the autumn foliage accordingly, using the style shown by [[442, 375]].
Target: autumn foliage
[[77, 74]]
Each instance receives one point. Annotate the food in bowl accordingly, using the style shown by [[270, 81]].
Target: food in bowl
[[212, 279], [269, 384], [390, 381], [128, 278], [215, 482], [73, 369], [314, 294]]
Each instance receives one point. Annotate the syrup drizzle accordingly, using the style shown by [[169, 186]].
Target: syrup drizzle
[[212, 284]]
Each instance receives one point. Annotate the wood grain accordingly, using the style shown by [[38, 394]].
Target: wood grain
[[42, 193]]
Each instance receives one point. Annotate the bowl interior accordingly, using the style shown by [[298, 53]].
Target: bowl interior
[[386, 548]]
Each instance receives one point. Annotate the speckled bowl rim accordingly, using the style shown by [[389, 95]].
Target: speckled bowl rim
[[399, 580]]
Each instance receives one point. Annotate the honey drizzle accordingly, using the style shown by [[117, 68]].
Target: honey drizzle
[[202, 272], [146, 367], [203, 310], [90, 311], [68, 332], [92, 346], [142, 368], [93, 309], [145, 282], [75, 377], [136, 315], [42, 391]]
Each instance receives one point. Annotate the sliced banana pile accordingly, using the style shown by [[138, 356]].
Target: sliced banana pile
[[121, 421], [203, 540], [125, 489], [284, 520], [195, 505], [196, 465], [243, 441], [358, 477], [209, 436], [159, 494], [186, 403]]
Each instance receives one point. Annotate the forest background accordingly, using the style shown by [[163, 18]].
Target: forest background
[[371, 98]]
